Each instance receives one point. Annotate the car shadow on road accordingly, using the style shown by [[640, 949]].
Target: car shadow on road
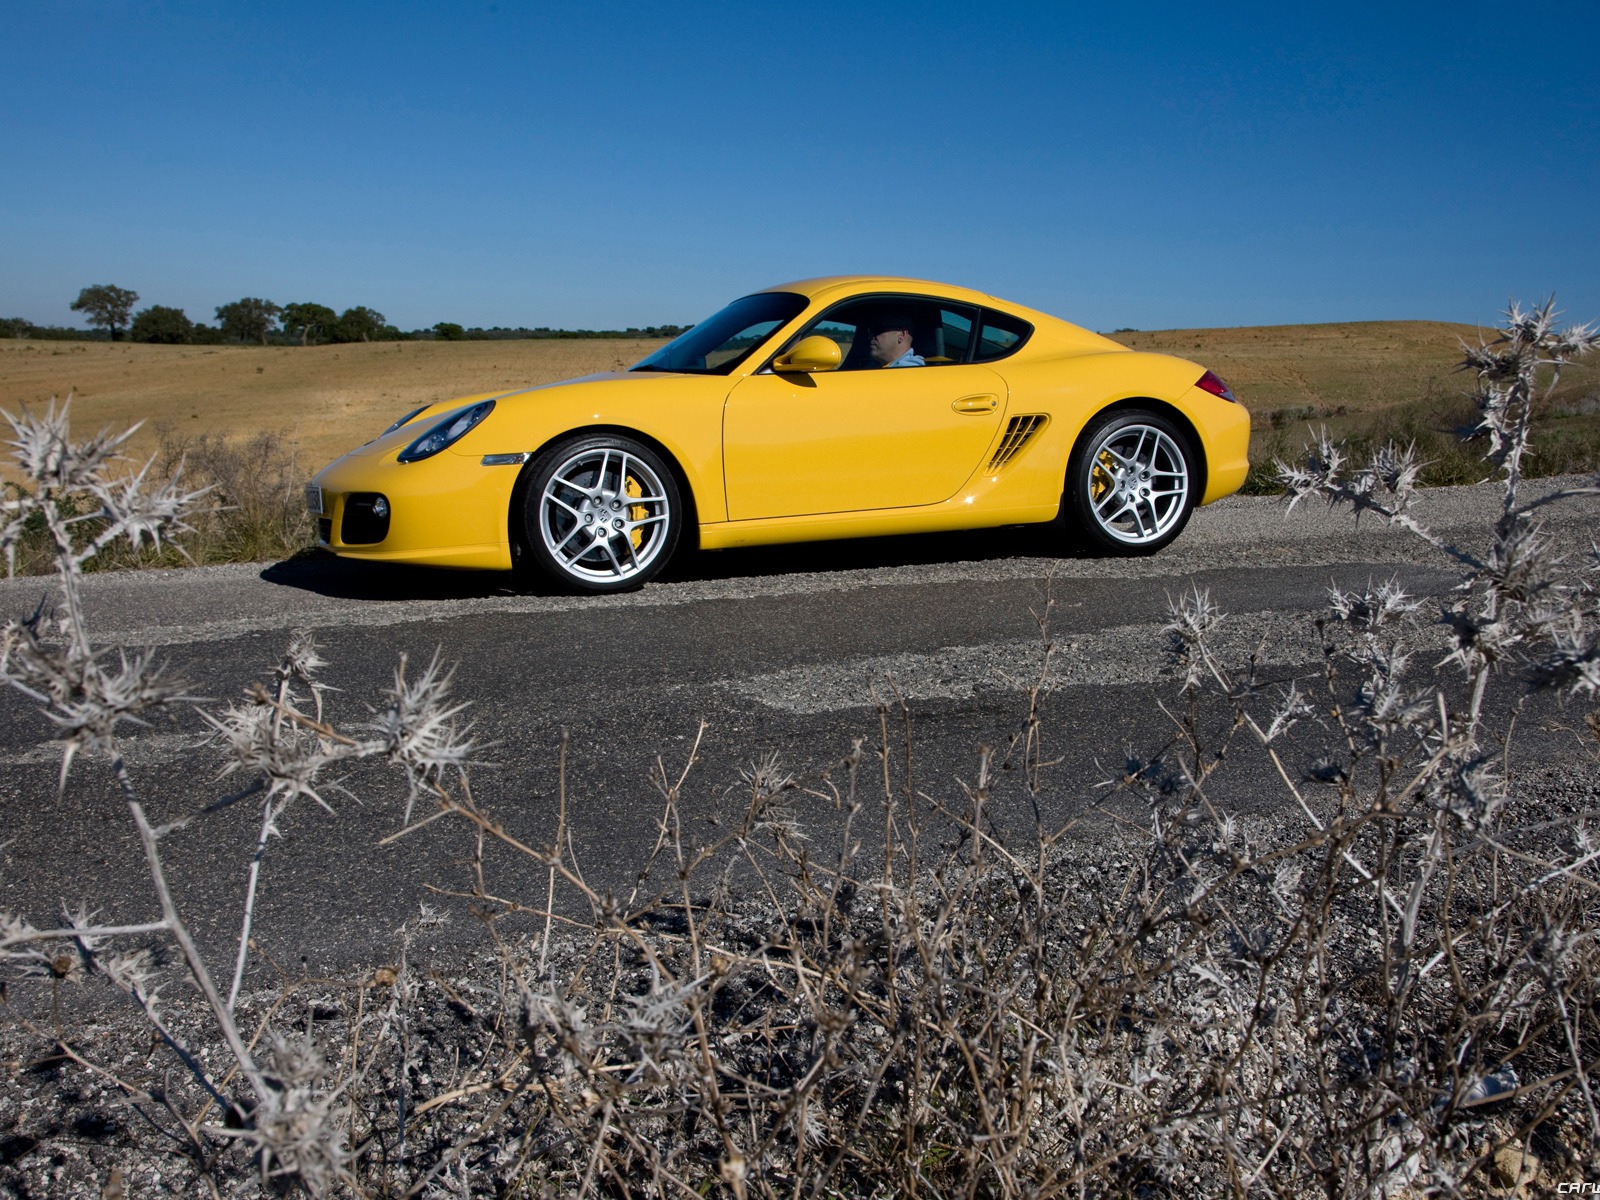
[[348, 579], [858, 554]]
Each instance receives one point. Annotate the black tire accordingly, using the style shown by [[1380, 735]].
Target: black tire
[[601, 513], [1131, 483]]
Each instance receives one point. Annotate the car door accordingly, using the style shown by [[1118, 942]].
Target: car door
[[845, 441]]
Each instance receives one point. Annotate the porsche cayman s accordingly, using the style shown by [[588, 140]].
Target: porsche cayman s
[[778, 420]]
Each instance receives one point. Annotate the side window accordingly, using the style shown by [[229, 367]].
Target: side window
[[1001, 335], [942, 332], [842, 332]]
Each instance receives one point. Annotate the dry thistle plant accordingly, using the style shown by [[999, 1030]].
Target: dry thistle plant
[[252, 508], [295, 1127], [1386, 989]]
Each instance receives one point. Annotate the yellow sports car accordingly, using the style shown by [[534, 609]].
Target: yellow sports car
[[830, 408]]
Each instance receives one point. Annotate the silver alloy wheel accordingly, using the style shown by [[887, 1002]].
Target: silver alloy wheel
[[604, 516], [1138, 484]]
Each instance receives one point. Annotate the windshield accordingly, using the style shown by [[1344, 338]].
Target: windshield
[[719, 344]]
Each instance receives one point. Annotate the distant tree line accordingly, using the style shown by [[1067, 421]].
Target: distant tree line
[[449, 331], [109, 311]]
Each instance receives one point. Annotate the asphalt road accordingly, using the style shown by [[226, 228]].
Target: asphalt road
[[783, 651]]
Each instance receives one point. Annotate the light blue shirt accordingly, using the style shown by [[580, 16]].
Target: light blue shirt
[[908, 359]]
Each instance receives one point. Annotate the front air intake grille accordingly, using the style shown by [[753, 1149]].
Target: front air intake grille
[[1019, 432], [366, 519]]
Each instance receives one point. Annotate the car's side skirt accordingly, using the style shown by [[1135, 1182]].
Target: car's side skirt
[[725, 535]]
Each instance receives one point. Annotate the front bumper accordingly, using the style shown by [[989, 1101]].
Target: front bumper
[[446, 511]]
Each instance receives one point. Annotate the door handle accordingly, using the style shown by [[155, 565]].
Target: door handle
[[976, 404]]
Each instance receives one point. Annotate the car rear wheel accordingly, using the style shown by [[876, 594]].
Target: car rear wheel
[[1132, 482], [601, 513]]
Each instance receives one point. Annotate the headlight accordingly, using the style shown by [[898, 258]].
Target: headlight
[[447, 432], [402, 421]]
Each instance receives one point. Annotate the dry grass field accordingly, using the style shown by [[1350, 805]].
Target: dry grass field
[[1363, 379], [1370, 381], [322, 399], [1363, 365]]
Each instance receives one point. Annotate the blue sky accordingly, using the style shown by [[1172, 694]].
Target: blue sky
[[610, 164]]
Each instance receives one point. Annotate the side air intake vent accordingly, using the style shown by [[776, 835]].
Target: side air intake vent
[[1019, 432]]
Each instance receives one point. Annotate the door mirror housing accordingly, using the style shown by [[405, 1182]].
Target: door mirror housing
[[809, 355]]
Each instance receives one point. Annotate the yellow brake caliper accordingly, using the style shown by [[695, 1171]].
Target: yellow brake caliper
[[1100, 479], [636, 512]]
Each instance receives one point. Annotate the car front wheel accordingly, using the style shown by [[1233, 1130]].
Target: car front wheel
[[1132, 482], [601, 513]]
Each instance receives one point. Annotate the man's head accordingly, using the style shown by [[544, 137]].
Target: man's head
[[891, 337]]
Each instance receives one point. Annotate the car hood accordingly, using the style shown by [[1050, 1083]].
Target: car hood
[[397, 439]]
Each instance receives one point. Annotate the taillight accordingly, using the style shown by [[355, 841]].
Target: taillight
[[1210, 383]]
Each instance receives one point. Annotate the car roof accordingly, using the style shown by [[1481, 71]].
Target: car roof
[[1063, 334]]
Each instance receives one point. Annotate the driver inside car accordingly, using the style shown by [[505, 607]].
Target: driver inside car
[[891, 342]]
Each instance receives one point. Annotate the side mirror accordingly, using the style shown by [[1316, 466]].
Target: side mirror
[[815, 353]]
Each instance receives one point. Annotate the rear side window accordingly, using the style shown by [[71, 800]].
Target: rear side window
[[1001, 335], [955, 334]]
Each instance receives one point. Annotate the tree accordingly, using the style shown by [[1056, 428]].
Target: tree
[[163, 325], [309, 322], [249, 319], [106, 305], [449, 331], [359, 324], [15, 327]]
